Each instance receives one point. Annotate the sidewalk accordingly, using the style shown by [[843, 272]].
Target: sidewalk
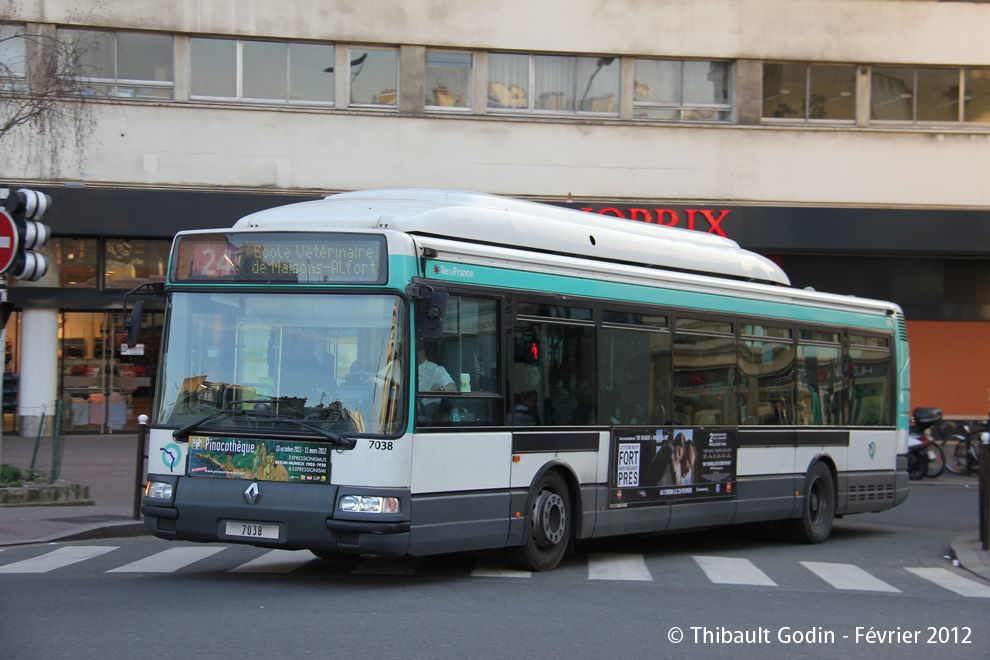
[[105, 463]]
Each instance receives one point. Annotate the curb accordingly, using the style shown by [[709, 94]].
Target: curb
[[969, 552], [110, 530]]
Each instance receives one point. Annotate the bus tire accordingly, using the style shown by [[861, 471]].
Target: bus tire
[[817, 508], [549, 526]]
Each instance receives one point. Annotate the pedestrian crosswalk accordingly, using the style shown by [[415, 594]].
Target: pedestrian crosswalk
[[616, 567], [733, 570], [167, 561], [847, 576]]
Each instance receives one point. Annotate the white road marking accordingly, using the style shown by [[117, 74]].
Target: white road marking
[[613, 566], [167, 561], [953, 582], [847, 576], [276, 561], [57, 559], [732, 570]]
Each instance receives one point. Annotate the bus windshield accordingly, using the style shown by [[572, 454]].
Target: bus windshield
[[298, 363]]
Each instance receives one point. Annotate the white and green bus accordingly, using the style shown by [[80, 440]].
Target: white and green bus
[[413, 372]]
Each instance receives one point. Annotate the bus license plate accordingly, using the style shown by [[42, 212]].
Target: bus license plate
[[251, 530]]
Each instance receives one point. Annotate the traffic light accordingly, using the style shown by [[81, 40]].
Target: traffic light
[[11, 387], [21, 233]]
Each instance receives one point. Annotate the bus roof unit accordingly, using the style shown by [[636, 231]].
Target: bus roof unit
[[495, 220]]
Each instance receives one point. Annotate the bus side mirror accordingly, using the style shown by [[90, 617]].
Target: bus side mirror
[[132, 324], [132, 321], [431, 307]]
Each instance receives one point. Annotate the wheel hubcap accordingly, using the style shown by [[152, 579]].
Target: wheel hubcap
[[549, 519], [816, 503]]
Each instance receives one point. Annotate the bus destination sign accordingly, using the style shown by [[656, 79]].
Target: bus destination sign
[[284, 257]]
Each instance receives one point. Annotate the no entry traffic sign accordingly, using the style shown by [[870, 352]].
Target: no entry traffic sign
[[8, 241]]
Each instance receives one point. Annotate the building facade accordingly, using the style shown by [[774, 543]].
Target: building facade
[[846, 139]]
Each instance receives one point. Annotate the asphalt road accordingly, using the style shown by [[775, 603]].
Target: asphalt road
[[621, 598]]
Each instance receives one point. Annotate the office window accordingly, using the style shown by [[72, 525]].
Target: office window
[[375, 76], [449, 80], [976, 98], [682, 90], [553, 84], [916, 95], [809, 92], [13, 58], [123, 65], [270, 71]]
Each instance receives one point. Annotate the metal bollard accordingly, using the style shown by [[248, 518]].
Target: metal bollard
[[985, 490], [142, 442]]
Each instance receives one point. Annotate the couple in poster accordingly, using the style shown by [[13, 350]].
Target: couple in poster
[[674, 462]]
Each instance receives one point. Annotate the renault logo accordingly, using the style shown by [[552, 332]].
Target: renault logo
[[252, 494]]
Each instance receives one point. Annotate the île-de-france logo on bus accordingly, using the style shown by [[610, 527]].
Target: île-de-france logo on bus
[[444, 270]]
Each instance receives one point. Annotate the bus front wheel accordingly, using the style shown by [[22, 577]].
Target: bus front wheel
[[817, 509], [548, 529]]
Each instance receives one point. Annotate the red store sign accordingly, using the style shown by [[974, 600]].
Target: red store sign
[[706, 220]]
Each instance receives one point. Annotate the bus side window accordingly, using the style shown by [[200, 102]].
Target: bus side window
[[465, 361], [635, 373], [819, 389], [549, 381], [870, 396]]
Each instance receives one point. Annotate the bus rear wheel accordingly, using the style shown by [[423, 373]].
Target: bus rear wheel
[[817, 509], [548, 530]]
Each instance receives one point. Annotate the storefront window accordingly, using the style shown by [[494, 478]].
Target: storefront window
[[72, 264], [105, 386], [130, 263]]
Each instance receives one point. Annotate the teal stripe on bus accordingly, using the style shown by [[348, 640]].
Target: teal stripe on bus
[[541, 282]]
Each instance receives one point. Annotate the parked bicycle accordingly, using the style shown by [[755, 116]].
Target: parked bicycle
[[925, 458], [962, 449]]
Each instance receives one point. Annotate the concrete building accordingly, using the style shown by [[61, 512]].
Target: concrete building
[[847, 139]]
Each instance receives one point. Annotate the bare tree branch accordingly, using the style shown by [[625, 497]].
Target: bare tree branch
[[42, 87]]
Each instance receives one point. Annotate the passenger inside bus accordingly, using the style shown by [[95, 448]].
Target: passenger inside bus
[[306, 369], [431, 377]]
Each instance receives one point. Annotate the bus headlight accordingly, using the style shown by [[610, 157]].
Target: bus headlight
[[369, 504], [161, 490]]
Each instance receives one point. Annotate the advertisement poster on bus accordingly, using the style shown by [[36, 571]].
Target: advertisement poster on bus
[[660, 465], [262, 460]]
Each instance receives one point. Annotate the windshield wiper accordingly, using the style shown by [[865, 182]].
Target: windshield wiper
[[339, 441]]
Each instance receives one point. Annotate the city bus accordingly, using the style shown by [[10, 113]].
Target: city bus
[[413, 372]]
